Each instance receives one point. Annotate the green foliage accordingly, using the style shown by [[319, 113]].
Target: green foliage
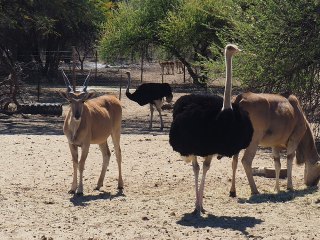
[[279, 38], [193, 26], [30, 27], [132, 26], [185, 29]]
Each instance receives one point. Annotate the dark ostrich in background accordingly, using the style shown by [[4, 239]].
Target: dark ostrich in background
[[150, 93], [208, 125]]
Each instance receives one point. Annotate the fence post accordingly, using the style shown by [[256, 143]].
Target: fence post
[[96, 61], [120, 86], [142, 58], [74, 57]]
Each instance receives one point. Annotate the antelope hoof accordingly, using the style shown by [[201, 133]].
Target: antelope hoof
[[255, 193], [233, 194], [79, 194], [71, 191], [97, 188]]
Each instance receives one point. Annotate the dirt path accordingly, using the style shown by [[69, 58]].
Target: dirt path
[[158, 198]]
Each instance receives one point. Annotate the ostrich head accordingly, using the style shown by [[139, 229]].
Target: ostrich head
[[169, 98], [128, 74], [129, 82], [231, 49], [76, 98]]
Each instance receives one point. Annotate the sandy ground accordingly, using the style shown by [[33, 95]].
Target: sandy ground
[[158, 196]]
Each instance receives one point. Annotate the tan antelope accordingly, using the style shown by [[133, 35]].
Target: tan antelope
[[91, 121], [169, 66], [279, 123], [179, 66]]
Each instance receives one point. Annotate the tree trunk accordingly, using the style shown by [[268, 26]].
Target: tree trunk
[[195, 77]]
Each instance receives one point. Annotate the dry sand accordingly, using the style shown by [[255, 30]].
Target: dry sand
[[158, 196]]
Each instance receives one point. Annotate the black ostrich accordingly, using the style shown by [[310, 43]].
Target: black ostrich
[[152, 93], [208, 125]]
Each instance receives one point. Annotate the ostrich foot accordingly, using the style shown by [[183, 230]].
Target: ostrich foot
[[198, 211], [79, 193], [233, 194]]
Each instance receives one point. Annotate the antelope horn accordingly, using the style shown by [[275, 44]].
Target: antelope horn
[[85, 84], [67, 82]]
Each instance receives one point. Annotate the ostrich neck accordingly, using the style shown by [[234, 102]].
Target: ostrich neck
[[228, 85], [129, 83]]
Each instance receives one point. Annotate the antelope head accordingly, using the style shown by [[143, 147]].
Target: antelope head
[[312, 174], [76, 98]]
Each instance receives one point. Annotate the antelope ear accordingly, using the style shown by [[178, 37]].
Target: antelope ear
[[318, 166], [90, 95], [64, 95]]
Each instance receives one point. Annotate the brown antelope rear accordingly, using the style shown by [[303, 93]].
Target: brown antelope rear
[[279, 123], [91, 121]]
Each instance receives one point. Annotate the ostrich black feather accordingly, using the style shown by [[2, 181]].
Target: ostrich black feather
[[148, 92], [201, 128]]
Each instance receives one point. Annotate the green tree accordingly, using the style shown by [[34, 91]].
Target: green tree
[[185, 28], [189, 30], [280, 40], [32, 27], [132, 24]]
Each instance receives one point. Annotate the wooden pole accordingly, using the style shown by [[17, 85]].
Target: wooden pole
[[184, 73], [74, 60], [38, 88], [120, 87], [96, 61], [142, 59]]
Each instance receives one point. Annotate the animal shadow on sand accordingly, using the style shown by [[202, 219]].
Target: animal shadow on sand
[[31, 125], [225, 222], [280, 197], [83, 200], [138, 126]]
